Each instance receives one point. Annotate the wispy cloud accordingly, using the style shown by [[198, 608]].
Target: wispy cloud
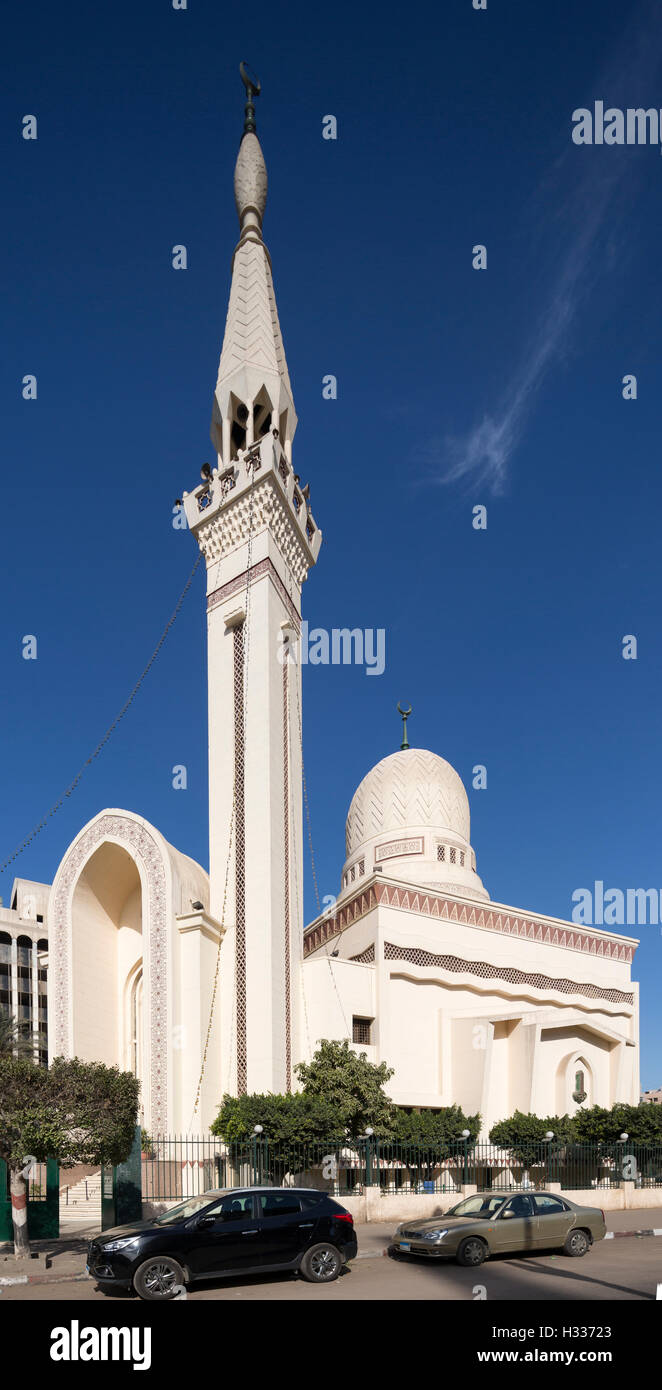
[[484, 453]]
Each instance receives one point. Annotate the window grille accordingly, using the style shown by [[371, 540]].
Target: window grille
[[361, 1030]]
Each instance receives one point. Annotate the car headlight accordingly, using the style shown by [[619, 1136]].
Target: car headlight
[[122, 1243], [435, 1235]]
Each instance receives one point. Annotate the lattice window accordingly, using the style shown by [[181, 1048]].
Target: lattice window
[[365, 957], [493, 972], [240, 858], [462, 857], [286, 867], [453, 854], [441, 853], [361, 1030]]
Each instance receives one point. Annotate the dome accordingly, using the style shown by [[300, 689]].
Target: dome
[[410, 818]]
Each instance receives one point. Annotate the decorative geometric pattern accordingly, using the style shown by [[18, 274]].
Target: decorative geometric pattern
[[253, 336], [250, 177], [395, 848], [405, 789], [261, 508], [234, 586], [366, 957], [240, 859], [145, 849], [416, 900], [503, 972], [286, 867]]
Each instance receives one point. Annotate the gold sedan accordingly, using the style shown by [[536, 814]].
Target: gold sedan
[[494, 1223]]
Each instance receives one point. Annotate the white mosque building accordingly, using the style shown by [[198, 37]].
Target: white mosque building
[[210, 983]]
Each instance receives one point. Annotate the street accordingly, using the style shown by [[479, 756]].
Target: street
[[628, 1268]]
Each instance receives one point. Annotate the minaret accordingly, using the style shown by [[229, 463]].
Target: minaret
[[253, 523]]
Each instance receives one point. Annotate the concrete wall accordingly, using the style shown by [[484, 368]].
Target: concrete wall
[[373, 1206]]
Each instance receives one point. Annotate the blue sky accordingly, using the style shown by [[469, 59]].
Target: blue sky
[[455, 387]]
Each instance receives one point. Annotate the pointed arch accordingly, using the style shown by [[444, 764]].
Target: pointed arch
[[149, 854]]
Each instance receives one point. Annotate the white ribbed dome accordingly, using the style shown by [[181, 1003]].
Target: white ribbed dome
[[408, 788], [410, 816]]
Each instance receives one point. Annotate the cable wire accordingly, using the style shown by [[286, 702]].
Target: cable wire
[[111, 728]]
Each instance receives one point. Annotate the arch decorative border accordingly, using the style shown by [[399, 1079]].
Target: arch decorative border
[[145, 848]]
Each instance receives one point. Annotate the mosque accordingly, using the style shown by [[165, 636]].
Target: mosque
[[211, 983]]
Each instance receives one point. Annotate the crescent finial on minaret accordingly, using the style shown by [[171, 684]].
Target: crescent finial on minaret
[[250, 175], [253, 88]]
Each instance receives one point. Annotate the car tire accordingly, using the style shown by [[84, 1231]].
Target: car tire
[[577, 1243], [158, 1279], [472, 1252], [321, 1264]]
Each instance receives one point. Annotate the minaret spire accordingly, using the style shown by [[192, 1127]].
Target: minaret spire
[[254, 525], [253, 392]]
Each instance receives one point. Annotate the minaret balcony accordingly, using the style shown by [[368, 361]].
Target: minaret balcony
[[220, 511]]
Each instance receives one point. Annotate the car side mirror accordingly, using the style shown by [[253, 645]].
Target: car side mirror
[[507, 1215], [206, 1222]]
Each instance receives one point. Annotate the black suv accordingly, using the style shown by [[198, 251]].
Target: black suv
[[220, 1234]]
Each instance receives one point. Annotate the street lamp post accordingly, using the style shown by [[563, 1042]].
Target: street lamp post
[[257, 1130], [623, 1139], [466, 1135], [368, 1156], [549, 1136]]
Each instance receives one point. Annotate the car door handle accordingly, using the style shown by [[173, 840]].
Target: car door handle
[[305, 1225], [254, 1232]]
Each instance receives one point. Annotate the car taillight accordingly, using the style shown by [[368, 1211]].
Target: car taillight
[[344, 1216]]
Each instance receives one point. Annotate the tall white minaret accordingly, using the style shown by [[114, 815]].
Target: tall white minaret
[[253, 523]]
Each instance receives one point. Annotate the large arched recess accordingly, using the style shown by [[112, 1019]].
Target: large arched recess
[[108, 908]]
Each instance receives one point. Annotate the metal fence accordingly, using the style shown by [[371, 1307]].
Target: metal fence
[[182, 1166]]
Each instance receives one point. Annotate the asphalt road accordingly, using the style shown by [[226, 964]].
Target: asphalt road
[[628, 1268]]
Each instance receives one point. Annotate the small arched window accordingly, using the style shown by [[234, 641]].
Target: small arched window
[[579, 1093]]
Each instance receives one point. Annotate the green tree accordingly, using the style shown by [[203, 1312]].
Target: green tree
[[642, 1123], [285, 1119], [525, 1134], [353, 1086], [443, 1128], [76, 1112]]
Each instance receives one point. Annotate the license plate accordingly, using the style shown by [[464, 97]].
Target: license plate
[[405, 1245]]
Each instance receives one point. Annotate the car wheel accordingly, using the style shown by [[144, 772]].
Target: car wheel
[[471, 1252], [158, 1279], [321, 1264], [577, 1243]]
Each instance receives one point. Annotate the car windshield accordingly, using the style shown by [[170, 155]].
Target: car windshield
[[184, 1210], [477, 1207]]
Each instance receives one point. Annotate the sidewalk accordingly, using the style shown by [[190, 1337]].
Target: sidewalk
[[63, 1260], [51, 1262]]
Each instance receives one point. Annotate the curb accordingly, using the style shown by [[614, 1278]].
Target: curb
[[42, 1279], [654, 1231]]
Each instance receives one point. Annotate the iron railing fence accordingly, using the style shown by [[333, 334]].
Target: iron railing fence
[[179, 1166], [36, 1181]]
